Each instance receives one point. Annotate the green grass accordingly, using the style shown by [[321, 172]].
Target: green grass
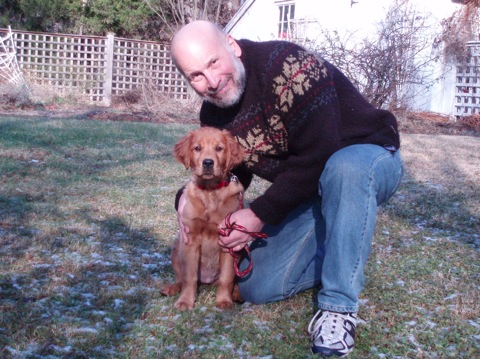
[[87, 220]]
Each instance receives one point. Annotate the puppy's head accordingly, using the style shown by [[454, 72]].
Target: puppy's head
[[210, 153]]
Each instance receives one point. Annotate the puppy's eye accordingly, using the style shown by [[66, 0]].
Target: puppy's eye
[[197, 148], [219, 148]]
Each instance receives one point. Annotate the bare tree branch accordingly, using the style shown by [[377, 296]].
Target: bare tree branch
[[385, 66]]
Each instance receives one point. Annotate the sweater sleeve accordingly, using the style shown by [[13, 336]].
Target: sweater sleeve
[[304, 100]]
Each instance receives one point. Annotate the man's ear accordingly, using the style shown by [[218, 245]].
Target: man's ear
[[234, 46]]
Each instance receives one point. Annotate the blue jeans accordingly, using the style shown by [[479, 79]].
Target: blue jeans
[[326, 240]]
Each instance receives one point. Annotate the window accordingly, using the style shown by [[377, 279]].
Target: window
[[286, 20]]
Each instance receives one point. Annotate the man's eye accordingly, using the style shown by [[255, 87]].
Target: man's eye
[[195, 77]]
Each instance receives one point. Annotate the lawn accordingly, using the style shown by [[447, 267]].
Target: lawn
[[87, 220]]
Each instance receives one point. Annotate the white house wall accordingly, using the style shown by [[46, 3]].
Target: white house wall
[[340, 15], [443, 92], [357, 20], [259, 23]]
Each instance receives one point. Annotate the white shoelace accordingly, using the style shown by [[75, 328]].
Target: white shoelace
[[332, 326]]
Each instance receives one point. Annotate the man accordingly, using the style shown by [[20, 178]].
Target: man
[[330, 156]]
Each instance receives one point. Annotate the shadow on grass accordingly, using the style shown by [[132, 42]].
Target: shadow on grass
[[77, 289], [441, 191], [72, 282], [438, 210]]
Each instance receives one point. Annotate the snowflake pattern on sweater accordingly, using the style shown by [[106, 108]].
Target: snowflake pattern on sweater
[[258, 142], [296, 78]]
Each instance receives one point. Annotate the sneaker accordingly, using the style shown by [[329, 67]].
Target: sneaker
[[332, 333]]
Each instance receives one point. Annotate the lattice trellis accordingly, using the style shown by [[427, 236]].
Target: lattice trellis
[[9, 68], [467, 97], [97, 66], [136, 63], [65, 62]]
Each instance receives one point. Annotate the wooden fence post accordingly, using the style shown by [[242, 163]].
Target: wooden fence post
[[109, 68]]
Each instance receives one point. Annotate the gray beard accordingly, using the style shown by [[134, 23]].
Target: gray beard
[[240, 83]]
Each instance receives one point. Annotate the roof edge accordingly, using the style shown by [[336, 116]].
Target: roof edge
[[238, 15]]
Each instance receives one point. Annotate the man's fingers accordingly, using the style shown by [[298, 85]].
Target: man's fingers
[[238, 248]]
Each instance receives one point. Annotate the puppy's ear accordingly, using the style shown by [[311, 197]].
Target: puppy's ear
[[181, 151], [235, 151]]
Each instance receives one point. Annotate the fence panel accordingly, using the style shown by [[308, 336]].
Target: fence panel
[[97, 66], [136, 63], [467, 97]]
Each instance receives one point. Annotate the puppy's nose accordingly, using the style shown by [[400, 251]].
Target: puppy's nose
[[208, 163]]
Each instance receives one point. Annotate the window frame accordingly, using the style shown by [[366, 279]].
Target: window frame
[[286, 19]]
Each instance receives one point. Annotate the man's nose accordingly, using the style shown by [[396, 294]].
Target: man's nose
[[212, 79]]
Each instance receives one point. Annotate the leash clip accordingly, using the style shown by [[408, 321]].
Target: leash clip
[[233, 179]]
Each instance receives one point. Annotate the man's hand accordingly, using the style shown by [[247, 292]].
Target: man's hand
[[238, 240], [182, 230]]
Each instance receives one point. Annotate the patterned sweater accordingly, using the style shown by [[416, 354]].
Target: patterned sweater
[[296, 111]]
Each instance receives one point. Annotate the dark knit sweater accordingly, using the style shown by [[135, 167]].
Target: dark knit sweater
[[296, 111]]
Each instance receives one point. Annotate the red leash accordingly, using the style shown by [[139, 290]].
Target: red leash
[[230, 227]]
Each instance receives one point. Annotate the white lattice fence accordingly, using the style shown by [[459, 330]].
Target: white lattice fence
[[467, 97], [97, 66], [136, 63], [64, 62]]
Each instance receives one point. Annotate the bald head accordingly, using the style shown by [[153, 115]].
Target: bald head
[[210, 61], [195, 35]]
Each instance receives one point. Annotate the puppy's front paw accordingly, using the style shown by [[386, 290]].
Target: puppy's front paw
[[171, 289], [183, 305], [225, 305]]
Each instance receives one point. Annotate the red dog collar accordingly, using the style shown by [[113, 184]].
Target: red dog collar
[[231, 178], [217, 186]]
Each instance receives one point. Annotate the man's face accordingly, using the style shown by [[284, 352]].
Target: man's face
[[214, 70]]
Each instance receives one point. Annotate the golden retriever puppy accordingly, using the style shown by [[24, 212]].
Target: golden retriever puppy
[[210, 195]]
